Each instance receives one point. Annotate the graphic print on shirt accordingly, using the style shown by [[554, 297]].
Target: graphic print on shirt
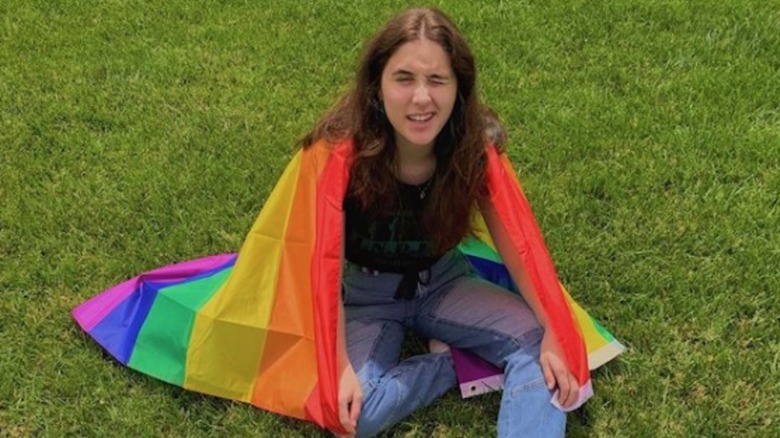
[[393, 243]]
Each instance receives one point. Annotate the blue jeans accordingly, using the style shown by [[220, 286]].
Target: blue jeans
[[462, 310]]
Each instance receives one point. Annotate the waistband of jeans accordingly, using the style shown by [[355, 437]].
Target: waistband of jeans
[[417, 268]]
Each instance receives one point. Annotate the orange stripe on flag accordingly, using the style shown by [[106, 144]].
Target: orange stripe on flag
[[289, 364]]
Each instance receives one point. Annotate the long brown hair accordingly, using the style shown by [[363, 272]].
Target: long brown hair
[[459, 147]]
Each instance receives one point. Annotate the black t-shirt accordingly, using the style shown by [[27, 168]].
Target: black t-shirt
[[391, 243]]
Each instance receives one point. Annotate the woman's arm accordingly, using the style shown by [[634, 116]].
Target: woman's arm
[[554, 368], [350, 392]]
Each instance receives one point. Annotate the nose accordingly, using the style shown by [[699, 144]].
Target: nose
[[421, 95]]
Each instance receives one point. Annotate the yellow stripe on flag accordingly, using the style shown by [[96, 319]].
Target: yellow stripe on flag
[[230, 331]]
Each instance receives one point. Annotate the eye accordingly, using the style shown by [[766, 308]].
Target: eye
[[437, 80], [404, 79]]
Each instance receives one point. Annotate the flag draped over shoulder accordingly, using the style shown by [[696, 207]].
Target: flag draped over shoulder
[[260, 326]]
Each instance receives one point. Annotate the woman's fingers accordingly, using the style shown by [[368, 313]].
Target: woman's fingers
[[345, 405], [549, 377], [568, 388], [350, 400], [557, 374], [574, 390], [562, 378], [354, 410]]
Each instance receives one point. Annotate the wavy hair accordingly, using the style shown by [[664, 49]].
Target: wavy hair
[[460, 146]]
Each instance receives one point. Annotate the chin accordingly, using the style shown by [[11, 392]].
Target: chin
[[421, 140]]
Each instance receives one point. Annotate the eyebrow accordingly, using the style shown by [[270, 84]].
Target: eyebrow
[[402, 73], [432, 76]]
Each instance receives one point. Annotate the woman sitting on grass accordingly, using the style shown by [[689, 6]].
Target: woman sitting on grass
[[418, 171]]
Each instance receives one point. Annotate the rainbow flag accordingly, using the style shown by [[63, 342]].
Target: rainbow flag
[[260, 326]]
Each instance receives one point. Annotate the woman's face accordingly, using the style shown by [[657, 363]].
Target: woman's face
[[418, 92]]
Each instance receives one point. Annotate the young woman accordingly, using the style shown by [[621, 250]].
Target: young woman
[[356, 244], [417, 172]]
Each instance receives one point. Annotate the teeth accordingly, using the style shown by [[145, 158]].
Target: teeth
[[420, 117]]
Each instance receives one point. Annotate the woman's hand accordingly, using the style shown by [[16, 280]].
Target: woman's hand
[[556, 373], [350, 400]]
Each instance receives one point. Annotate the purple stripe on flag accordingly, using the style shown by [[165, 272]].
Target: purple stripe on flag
[[475, 375], [91, 312]]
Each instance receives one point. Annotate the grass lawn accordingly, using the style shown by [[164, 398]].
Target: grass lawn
[[646, 133]]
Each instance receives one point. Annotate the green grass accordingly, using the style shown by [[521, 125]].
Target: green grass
[[646, 133]]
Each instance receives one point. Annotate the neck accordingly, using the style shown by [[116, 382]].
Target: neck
[[415, 168]]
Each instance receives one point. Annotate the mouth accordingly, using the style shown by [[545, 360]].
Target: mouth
[[420, 118]]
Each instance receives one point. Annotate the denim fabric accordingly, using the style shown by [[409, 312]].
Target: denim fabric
[[462, 310]]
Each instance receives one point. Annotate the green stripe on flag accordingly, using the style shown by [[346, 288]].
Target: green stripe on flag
[[161, 347], [602, 331], [475, 247]]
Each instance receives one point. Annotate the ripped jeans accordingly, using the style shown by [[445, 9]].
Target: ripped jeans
[[462, 310]]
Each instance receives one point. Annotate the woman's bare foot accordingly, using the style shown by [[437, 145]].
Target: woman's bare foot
[[437, 346]]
